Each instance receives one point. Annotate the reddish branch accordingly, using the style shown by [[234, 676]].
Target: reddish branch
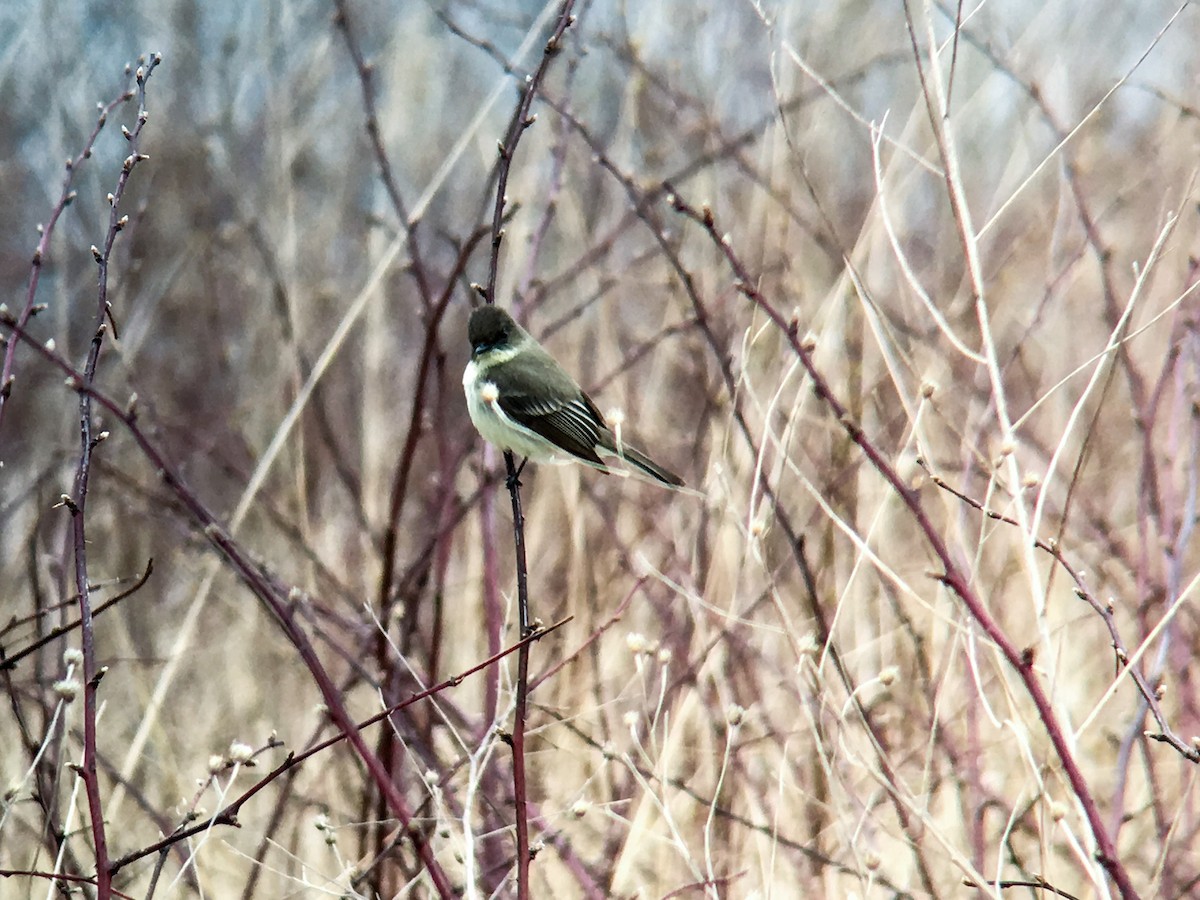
[[59, 878], [521, 119], [642, 201], [77, 502], [365, 72]]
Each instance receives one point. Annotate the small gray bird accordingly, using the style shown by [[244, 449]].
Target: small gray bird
[[520, 399]]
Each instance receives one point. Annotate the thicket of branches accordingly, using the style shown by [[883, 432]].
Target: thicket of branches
[[906, 293]]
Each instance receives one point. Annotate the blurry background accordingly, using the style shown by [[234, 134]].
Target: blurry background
[[700, 728]]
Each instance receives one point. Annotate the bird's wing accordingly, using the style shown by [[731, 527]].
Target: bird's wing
[[569, 425], [550, 404]]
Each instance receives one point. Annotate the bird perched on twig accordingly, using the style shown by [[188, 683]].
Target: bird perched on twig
[[521, 399]]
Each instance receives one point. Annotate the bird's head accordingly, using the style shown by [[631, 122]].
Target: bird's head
[[491, 328]]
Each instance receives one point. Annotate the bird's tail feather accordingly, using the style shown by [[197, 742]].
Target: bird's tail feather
[[644, 463]]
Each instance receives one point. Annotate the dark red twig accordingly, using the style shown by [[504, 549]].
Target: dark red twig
[[612, 620], [521, 119], [1037, 883], [365, 72], [77, 502], [705, 885]]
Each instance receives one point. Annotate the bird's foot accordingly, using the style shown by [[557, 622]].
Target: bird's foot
[[514, 480]]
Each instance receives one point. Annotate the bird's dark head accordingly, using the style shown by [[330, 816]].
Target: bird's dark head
[[491, 328]]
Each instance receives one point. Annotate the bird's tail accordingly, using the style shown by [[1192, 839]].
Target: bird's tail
[[643, 462]]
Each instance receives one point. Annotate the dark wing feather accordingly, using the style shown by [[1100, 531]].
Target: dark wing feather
[[543, 398]]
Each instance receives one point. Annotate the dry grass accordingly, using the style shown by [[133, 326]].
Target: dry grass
[[729, 712]]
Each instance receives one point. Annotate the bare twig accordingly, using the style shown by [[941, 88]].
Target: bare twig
[[642, 202], [77, 502], [10, 662], [46, 232], [521, 120], [55, 877]]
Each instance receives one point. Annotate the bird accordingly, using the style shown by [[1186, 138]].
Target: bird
[[521, 399]]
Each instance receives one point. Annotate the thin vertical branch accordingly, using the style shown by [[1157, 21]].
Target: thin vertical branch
[[517, 740], [77, 502], [493, 612], [516, 127], [521, 119]]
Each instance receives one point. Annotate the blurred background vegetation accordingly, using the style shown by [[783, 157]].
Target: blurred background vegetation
[[701, 737]]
